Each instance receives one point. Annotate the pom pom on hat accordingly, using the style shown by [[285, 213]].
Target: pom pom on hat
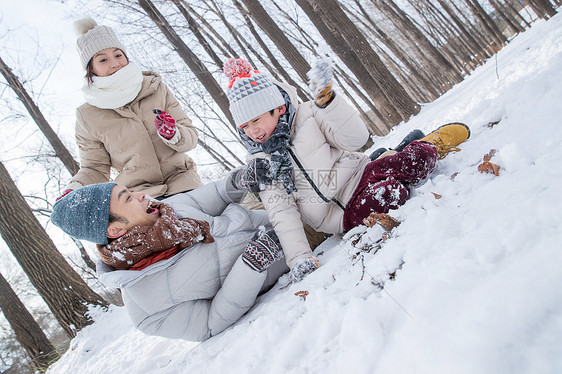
[[250, 93], [237, 68], [84, 25], [94, 38]]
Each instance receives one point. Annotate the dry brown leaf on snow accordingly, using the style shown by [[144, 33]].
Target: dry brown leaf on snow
[[489, 168], [383, 219], [302, 294]]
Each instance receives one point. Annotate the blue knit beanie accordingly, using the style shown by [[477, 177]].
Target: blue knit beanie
[[84, 213]]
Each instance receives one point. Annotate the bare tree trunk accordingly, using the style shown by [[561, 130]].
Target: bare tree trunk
[[269, 26], [354, 50], [227, 165], [84, 254], [515, 13], [442, 68], [309, 43], [418, 74], [300, 91], [60, 149], [445, 34], [512, 24], [194, 63], [543, 8], [488, 24], [27, 331], [66, 294], [195, 29], [226, 48], [476, 47]]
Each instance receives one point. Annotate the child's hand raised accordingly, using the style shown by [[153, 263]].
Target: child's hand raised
[[320, 81]]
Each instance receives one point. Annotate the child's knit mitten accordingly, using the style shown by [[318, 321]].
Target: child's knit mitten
[[320, 81], [262, 250], [253, 176], [165, 124], [303, 268]]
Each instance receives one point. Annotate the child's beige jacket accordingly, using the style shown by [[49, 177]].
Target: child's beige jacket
[[323, 141]]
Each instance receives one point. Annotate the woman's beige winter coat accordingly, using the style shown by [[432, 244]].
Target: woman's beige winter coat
[[126, 140], [324, 141]]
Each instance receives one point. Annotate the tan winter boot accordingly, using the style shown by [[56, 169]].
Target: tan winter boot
[[447, 137]]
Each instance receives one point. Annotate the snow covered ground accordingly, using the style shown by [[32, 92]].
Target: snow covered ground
[[478, 272]]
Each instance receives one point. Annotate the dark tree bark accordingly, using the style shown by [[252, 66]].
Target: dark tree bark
[[486, 21], [61, 152], [84, 254], [515, 14], [476, 47], [543, 8], [194, 63], [500, 10], [415, 72], [269, 26], [195, 29], [390, 98], [219, 41], [441, 68], [27, 331], [60, 149], [269, 53], [67, 295]]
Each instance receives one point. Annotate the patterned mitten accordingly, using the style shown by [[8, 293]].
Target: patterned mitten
[[165, 124], [320, 81], [262, 250], [253, 176]]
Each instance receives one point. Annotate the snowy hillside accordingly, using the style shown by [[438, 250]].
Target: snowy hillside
[[468, 283]]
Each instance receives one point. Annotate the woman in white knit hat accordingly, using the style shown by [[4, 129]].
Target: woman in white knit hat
[[130, 123]]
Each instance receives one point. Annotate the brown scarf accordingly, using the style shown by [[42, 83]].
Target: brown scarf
[[142, 241]]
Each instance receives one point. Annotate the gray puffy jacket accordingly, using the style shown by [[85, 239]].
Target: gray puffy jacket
[[206, 287]]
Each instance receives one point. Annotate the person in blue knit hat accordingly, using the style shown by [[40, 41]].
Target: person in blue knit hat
[[188, 266], [84, 213]]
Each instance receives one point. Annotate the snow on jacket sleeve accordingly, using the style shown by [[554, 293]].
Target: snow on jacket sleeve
[[95, 163], [198, 320], [341, 124]]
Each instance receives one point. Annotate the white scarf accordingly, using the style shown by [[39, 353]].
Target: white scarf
[[116, 90]]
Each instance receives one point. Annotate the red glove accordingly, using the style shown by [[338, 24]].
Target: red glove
[[66, 192], [165, 124]]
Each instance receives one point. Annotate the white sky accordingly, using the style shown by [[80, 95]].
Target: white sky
[[42, 30]]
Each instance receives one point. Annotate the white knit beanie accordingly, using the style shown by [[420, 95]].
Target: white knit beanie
[[250, 93], [94, 38]]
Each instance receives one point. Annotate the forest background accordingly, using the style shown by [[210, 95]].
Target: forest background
[[391, 58]]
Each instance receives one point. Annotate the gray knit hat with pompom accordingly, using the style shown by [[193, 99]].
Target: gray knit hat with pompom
[[84, 212], [94, 38], [250, 92]]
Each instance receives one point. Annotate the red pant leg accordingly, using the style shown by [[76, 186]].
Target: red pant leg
[[377, 197], [410, 166], [385, 182]]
